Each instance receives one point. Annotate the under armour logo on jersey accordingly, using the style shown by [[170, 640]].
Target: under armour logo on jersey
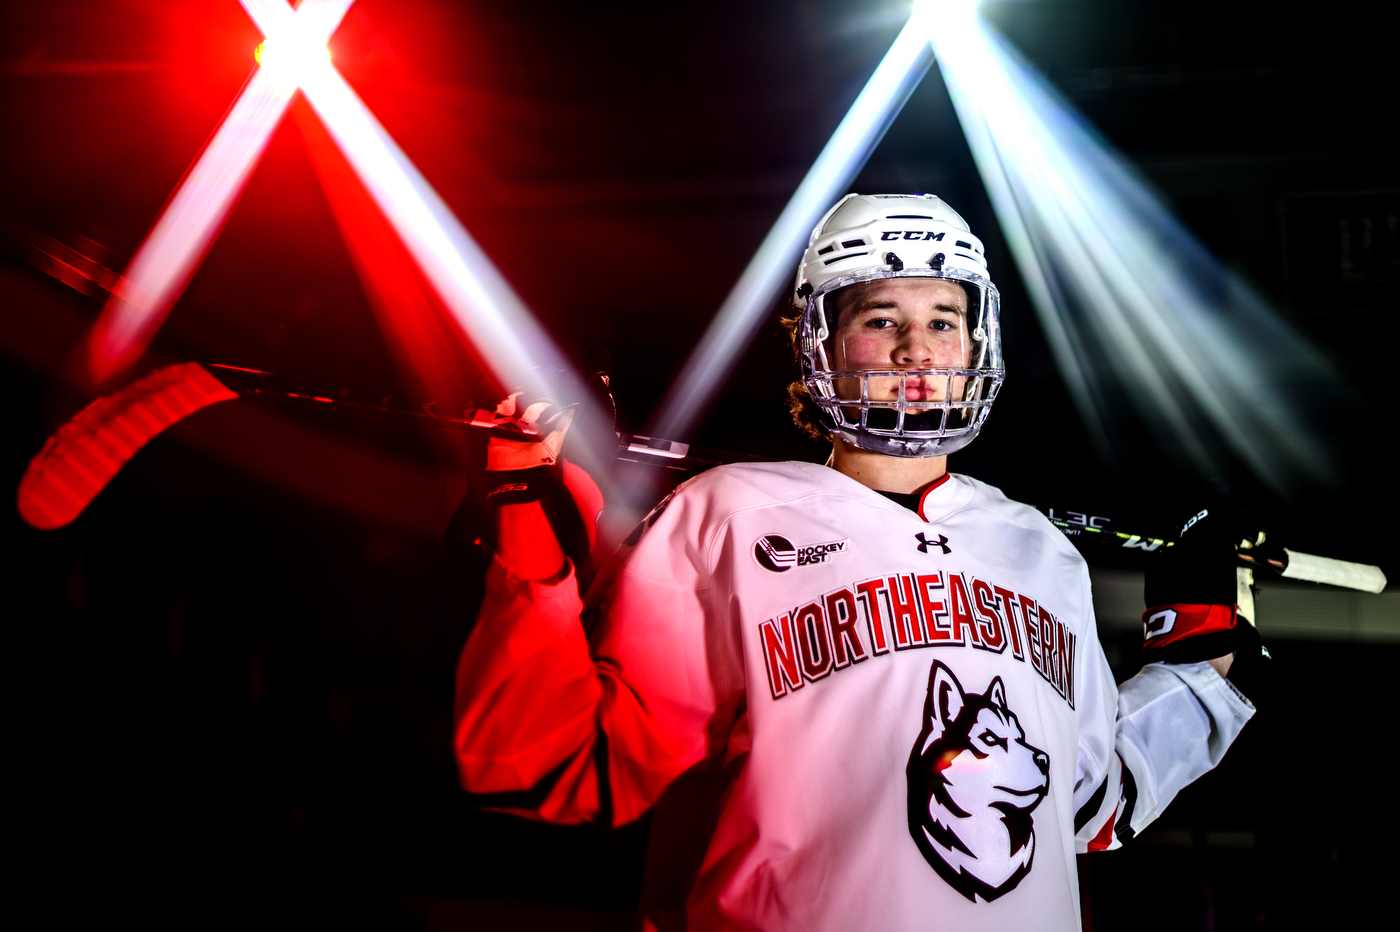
[[925, 543]]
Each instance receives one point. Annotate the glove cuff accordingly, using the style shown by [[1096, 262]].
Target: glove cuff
[[1186, 633], [517, 486], [1167, 624], [543, 484]]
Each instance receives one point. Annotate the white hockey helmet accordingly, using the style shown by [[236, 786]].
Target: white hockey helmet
[[866, 237]]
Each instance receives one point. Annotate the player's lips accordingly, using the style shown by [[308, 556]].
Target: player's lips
[[915, 389]]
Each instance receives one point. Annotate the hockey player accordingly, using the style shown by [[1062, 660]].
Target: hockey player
[[887, 674]]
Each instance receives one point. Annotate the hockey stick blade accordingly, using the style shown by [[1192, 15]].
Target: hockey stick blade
[[77, 462]]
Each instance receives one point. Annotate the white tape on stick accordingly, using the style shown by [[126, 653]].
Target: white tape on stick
[[1334, 572]]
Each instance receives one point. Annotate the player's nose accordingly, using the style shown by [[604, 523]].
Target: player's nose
[[914, 348]]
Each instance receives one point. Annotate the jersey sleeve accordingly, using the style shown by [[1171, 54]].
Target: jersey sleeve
[[1145, 740], [563, 727]]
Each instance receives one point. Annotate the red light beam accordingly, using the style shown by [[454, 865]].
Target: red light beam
[[478, 297], [293, 55], [424, 342], [164, 264]]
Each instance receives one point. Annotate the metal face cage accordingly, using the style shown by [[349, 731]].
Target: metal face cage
[[901, 426]]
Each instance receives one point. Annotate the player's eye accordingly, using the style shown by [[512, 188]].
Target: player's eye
[[879, 323], [943, 326]]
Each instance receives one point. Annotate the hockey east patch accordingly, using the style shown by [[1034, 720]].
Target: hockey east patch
[[909, 611], [777, 554]]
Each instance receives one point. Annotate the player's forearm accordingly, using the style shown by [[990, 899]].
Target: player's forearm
[[526, 544], [1169, 725], [527, 697], [1175, 723]]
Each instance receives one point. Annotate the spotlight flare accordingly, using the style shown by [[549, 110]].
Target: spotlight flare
[[294, 55], [162, 267]]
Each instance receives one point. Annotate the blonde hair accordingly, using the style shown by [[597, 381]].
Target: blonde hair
[[804, 411]]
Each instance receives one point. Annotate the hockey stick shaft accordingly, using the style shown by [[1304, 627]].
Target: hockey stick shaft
[[671, 454], [635, 448], [87, 452], [1289, 564]]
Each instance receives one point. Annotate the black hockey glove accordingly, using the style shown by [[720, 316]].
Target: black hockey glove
[[529, 470], [1194, 591]]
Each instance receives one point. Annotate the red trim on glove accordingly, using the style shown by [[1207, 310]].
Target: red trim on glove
[[1167, 624]]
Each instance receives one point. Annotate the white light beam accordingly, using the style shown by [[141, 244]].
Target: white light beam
[[770, 269], [1122, 290]]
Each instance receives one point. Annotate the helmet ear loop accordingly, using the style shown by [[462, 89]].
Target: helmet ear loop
[[985, 340], [822, 331], [823, 379]]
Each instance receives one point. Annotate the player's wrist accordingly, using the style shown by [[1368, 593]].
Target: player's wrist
[[526, 543], [1222, 665]]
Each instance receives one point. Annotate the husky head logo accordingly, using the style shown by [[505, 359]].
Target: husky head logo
[[973, 782]]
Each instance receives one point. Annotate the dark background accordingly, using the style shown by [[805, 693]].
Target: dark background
[[228, 689]]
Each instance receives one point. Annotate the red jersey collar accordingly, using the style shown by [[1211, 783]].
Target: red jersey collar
[[924, 497]]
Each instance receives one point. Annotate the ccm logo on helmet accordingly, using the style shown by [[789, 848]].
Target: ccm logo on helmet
[[921, 235]]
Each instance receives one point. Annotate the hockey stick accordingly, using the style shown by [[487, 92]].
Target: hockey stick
[[77, 462], [87, 452], [1289, 564]]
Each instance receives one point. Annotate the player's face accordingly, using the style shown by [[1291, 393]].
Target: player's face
[[901, 323]]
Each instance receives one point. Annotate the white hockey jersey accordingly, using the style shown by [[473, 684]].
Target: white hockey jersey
[[924, 724]]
